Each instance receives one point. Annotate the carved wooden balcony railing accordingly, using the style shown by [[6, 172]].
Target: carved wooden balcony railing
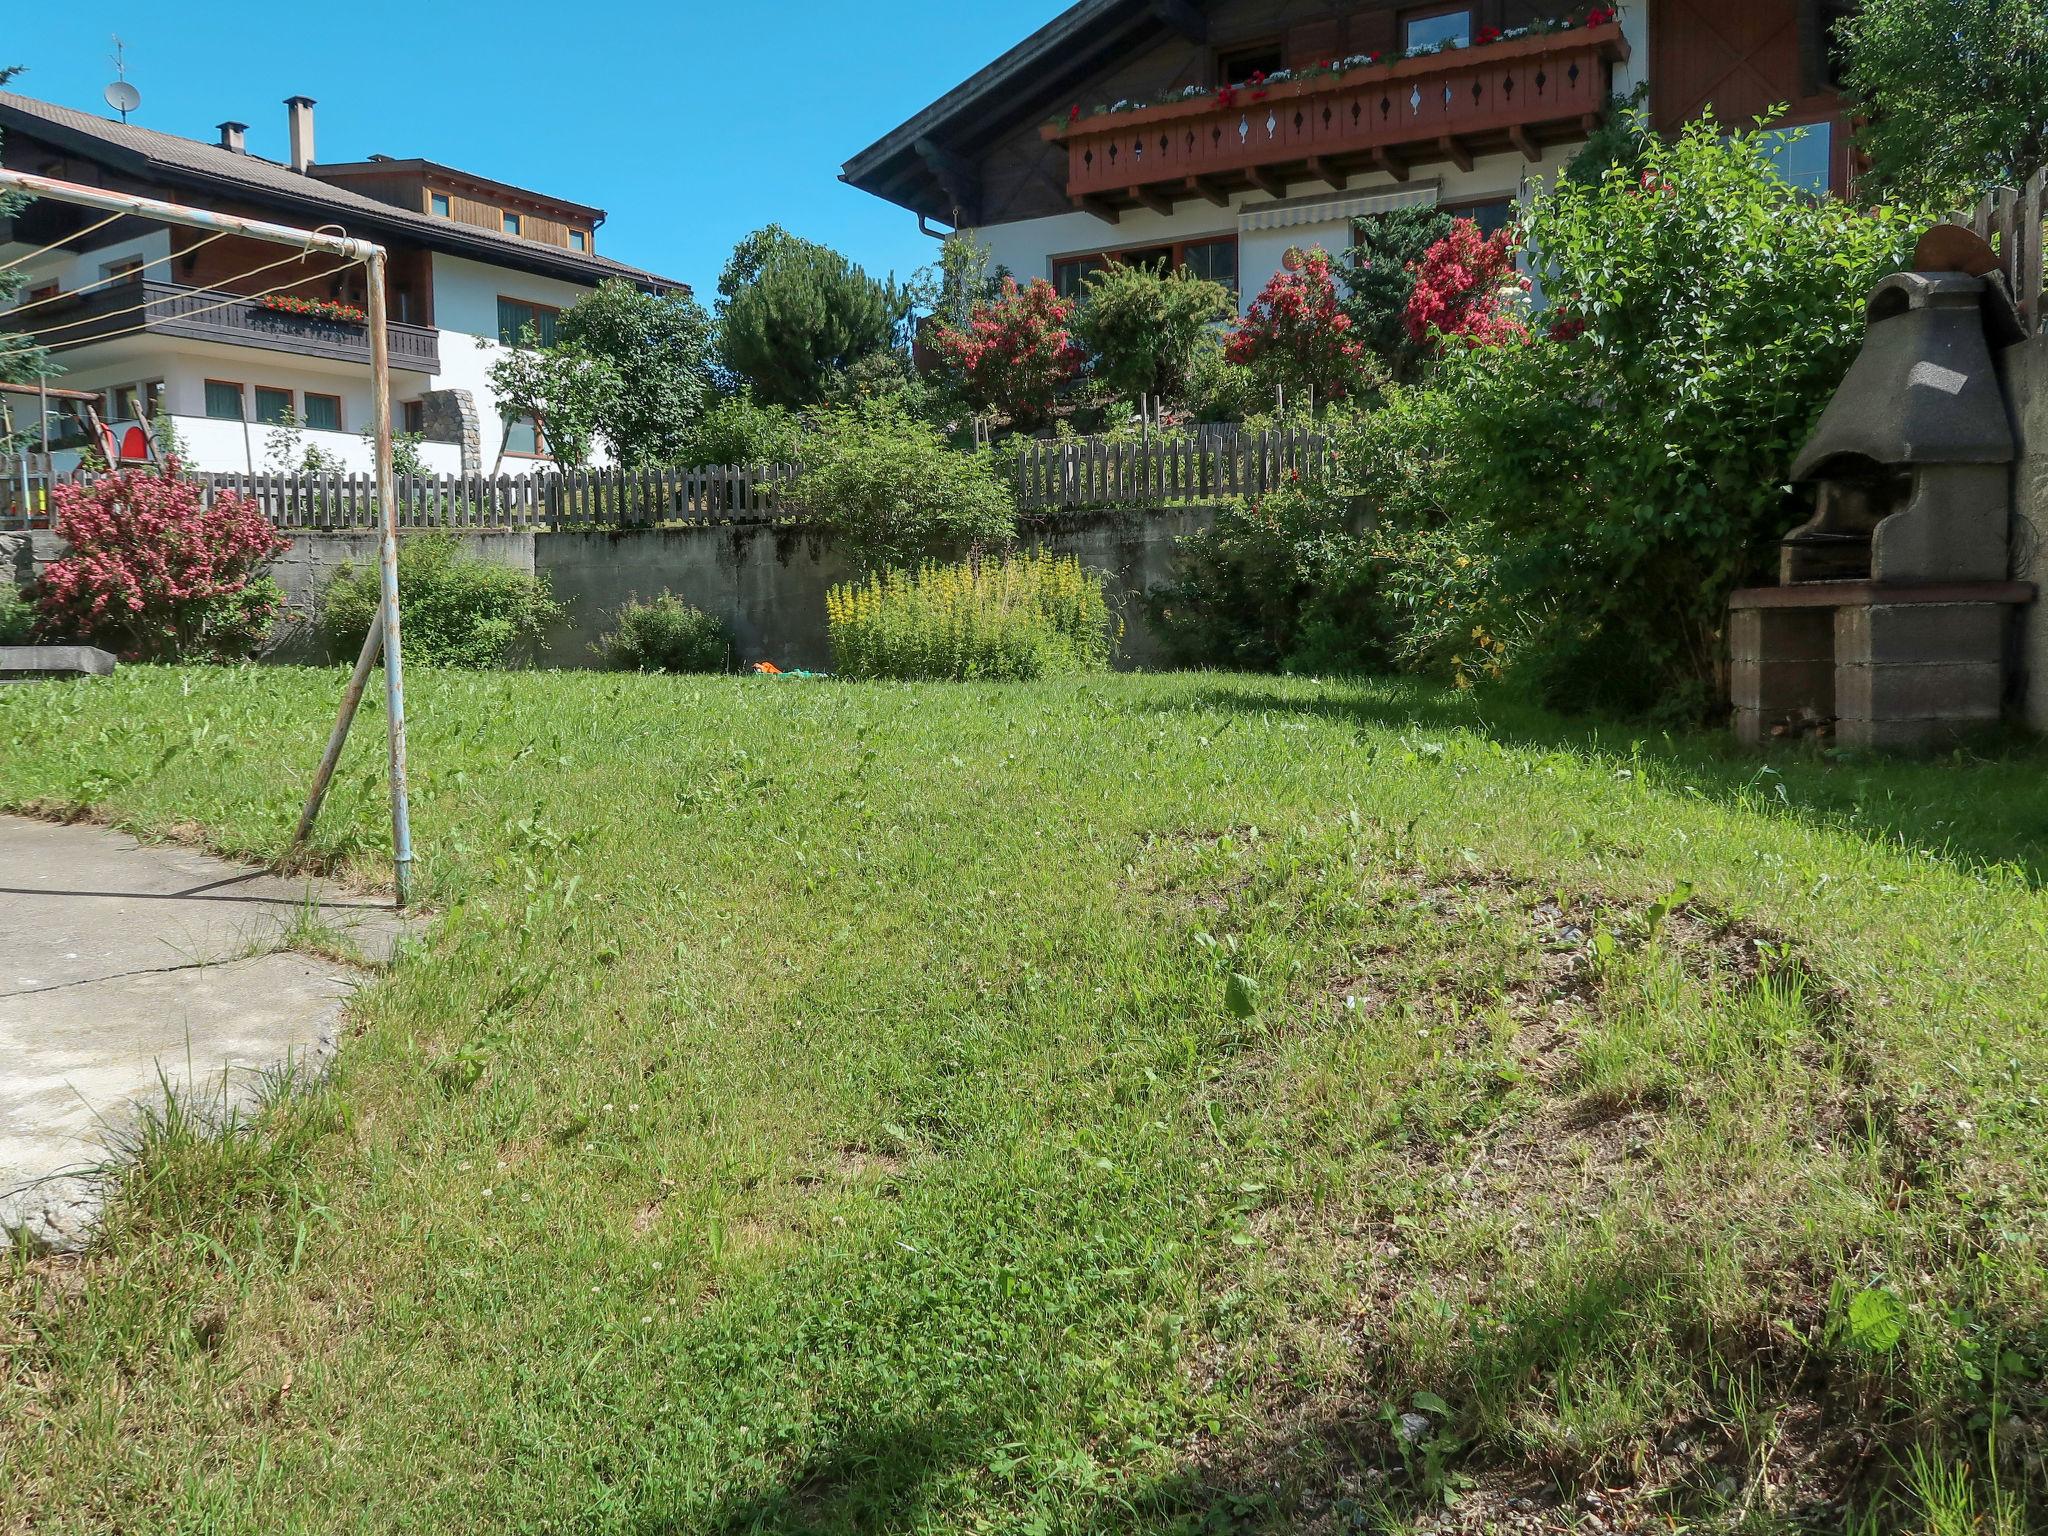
[[1517, 94], [202, 314]]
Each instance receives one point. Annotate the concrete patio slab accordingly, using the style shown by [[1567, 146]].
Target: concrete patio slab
[[125, 968]]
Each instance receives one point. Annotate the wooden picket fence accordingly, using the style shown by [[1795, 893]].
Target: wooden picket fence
[[2012, 219], [1051, 477]]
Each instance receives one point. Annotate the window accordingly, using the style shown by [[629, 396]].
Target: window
[[1214, 259], [1803, 155], [223, 401], [115, 271], [438, 202], [1069, 273], [1239, 64], [1490, 215], [512, 224], [273, 406], [323, 412], [579, 240], [516, 315], [1436, 28], [412, 417], [134, 402], [522, 437], [37, 295]]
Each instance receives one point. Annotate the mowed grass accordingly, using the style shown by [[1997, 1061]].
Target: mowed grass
[[1102, 1106]]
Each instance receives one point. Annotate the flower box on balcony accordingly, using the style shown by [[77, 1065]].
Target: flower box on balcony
[[313, 309]]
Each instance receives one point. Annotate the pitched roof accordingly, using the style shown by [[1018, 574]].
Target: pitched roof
[[906, 166], [165, 157]]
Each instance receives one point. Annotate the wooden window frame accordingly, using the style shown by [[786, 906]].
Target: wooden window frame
[[1177, 260], [1219, 63], [412, 417], [445, 199], [41, 292], [1465, 8], [579, 241], [511, 223], [291, 402], [306, 397], [532, 304], [540, 439], [241, 394], [121, 271]]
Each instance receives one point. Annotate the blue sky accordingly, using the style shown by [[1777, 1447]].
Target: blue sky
[[691, 123]]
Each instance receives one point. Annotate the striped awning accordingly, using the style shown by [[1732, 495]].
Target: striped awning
[[1297, 211]]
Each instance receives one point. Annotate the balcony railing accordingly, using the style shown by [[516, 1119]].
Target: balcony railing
[[204, 314], [1518, 94]]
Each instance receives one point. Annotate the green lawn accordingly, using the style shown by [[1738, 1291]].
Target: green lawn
[[1103, 1106]]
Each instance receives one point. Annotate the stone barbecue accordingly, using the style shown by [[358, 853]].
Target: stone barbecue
[[1891, 624]]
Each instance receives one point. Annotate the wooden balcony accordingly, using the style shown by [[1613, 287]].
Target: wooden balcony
[[205, 314], [1519, 94]]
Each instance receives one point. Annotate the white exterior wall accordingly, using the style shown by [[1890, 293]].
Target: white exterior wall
[[1029, 247], [466, 297]]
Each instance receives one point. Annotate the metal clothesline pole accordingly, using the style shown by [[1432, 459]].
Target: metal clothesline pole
[[384, 633]]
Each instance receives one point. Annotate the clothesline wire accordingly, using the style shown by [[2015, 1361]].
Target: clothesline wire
[[235, 298], [58, 244], [114, 277]]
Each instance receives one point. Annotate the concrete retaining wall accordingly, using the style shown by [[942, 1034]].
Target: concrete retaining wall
[[768, 584]]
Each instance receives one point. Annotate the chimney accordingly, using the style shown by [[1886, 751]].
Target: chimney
[[234, 136], [299, 116]]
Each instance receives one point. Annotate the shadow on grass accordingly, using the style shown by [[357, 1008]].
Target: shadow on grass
[[1978, 807]]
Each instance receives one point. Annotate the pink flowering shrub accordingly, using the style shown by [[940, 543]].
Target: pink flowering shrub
[[1296, 334], [1017, 352], [1462, 289], [154, 573]]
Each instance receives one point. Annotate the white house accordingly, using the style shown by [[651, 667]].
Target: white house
[[148, 316], [1218, 133]]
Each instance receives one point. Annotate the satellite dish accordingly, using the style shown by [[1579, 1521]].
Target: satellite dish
[[123, 98]]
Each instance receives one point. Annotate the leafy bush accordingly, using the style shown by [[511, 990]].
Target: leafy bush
[[1143, 327], [1022, 617], [17, 615], [888, 486], [667, 635], [156, 572], [1625, 471], [792, 314], [1379, 276], [1283, 581], [1949, 96], [1297, 337], [1220, 390], [454, 610], [740, 430], [1015, 353]]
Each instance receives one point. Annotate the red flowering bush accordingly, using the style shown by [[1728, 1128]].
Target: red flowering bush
[[155, 573], [1296, 334], [1016, 352], [1462, 288]]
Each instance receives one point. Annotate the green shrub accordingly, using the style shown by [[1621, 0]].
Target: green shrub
[[667, 635], [1022, 617], [1283, 581], [17, 615], [793, 313], [454, 610], [740, 430], [893, 492], [1143, 328], [1220, 390]]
